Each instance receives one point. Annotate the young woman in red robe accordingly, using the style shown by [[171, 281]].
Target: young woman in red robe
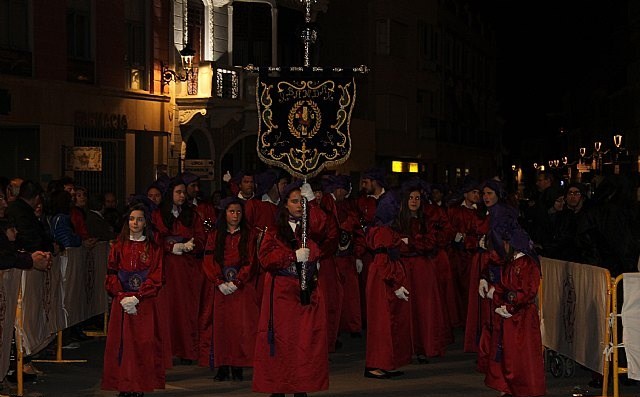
[[230, 264], [133, 361], [430, 327], [515, 363], [182, 235], [291, 346], [388, 309]]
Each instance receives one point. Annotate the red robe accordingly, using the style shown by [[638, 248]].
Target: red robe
[[463, 220], [438, 220], [517, 368], [207, 214], [351, 231], [388, 318], [300, 361], [141, 366], [478, 309], [184, 279], [236, 315], [260, 215], [430, 331], [328, 274], [367, 206]]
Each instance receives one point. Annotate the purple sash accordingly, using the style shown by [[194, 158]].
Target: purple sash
[[131, 281]]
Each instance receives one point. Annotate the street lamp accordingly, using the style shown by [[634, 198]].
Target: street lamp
[[186, 56]]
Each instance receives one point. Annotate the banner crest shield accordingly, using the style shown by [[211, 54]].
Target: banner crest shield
[[304, 122]]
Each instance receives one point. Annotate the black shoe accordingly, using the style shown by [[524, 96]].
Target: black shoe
[[124, 394], [186, 361], [368, 373], [78, 335], [356, 335], [300, 395], [277, 395], [223, 374], [13, 377], [338, 344], [422, 359], [236, 374], [393, 374], [135, 394], [595, 384]]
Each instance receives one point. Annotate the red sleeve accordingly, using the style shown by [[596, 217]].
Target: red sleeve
[[209, 265], [274, 254], [112, 283]]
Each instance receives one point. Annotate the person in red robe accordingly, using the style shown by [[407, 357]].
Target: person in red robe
[[515, 363], [430, 327], [351, 248], [133, 362], [207, 214], [291, 353], [463, 217], [388, 310], [230, 265], [182, 235]]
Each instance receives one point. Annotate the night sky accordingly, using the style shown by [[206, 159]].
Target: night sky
[[544, 49]]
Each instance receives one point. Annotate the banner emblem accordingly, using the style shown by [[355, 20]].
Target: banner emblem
[[304, 123]]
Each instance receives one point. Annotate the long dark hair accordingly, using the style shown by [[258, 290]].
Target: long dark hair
[[403, 221], [186, 210], [221, 236], [148, 227], [282, 223]]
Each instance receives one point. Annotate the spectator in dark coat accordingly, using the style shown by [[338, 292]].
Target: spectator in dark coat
[[32, 235]]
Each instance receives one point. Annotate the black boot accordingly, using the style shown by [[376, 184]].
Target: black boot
[[277, 395], [300, 395], [236, 374], [223, 374]]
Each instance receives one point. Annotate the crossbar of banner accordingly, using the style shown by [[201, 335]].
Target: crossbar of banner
[[318, 69]]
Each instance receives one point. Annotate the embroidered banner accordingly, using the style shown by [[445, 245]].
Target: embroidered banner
[[304, 121]]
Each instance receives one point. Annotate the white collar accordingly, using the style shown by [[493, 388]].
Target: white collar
[[141, 238], [233, 232], [98, 213], [517, 255], [473, 206], [267, 198], [378, 196], [241, 197], [175, 211]]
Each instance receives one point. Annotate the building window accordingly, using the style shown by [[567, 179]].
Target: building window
[[226, 84], [15, 55], [14, 24], [391, 38], [426, 125], [195, 12], [80, 67], [79, 29], [427, 46], [251, 34], [382, 37], [135, 17]]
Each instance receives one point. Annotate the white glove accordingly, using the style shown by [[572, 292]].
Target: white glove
[[483, 242], [129, 303], [402, 293], [483, 288], [188, 246], [405, 240], [224, 288], [359, 265], [502, 311], [318, 265], [459, 237], [226, 177], [231, 286], [177, 248], [490, 292], [307, 192], [302, 254]]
